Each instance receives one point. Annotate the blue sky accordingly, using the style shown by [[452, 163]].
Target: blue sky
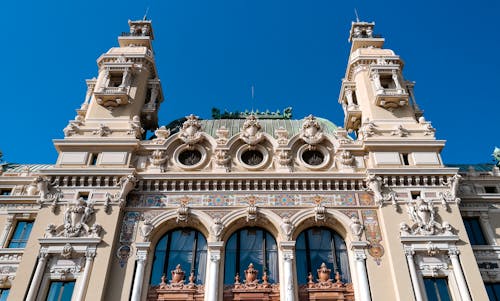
[[209, 53]]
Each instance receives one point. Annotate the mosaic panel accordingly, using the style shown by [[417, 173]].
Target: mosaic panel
[[373, 234], [347, 199], [129, 226]]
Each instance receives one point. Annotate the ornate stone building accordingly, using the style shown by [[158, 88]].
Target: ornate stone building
[[249, 206]]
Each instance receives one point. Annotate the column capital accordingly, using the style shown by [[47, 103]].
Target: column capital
[[287, 245], [409, 251], [359, 245], [453, 251], [215, 245]]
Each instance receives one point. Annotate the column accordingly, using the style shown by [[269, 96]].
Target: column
[[89, 262], [360, 264], [141, 257], [459, 275], [6, 231], [212, 280], [37, 278], [484, 219], [288, 249], [395, 78], [348, 97], [413, 273]]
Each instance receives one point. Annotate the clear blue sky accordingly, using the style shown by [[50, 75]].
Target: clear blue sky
[[209, 53]]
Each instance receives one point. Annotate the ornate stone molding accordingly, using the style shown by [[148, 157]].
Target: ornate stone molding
[[311, 132], [190, 132], [376, 185]]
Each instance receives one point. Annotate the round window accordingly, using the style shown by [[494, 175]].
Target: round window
[[252, 157], [190, 157], [313, 157]]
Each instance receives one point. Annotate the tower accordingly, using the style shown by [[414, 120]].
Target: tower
[[121, 104], [380, 107]]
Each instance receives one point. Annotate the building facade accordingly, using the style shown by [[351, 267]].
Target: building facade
[[249, 206]]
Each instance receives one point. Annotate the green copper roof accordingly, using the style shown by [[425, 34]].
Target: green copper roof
[[21, 168], [269, 126], [485, 167]]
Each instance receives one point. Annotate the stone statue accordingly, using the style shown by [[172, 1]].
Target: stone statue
[[496, 156], [451, 194]]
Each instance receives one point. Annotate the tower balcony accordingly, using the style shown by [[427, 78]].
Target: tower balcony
[[352, 117], [391, 98], [111, 97]]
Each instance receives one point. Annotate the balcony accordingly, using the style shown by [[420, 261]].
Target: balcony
[[352, 117], [391, 98], [111, 97]]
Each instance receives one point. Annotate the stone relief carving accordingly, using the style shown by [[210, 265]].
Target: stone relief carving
[[319, 213], [162, 133], [146, 228], [451, 194], [217, 228], [102, 131], [423, 214], [158, 159], [375, 185], [281, 135], [222, 135], [73, 126], [49, 192], [182, 213], [251, 212], [311, 133], [345, 159], [428, 129], [284, 159], [250, 133], [75, 221], [400, 131], [368, 129], [222, 159], [135, 127], [126, 184], [287, 228], [190, 132], [356, 227]]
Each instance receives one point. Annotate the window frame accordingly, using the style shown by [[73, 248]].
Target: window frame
[[13, 231]]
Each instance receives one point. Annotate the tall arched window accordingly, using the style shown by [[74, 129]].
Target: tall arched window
[[186, 247], [251, 245], [317, 245]]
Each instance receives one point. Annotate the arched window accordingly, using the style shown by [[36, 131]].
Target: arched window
[[251, 245], [317, 245], [186, 247]]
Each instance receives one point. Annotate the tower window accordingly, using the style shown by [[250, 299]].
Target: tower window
[[93, 159], [115, 79], [387, 82], [405, 159], [5, 191]]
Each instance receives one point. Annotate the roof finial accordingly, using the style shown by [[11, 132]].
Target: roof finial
[[146, 14], [356, 13]]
